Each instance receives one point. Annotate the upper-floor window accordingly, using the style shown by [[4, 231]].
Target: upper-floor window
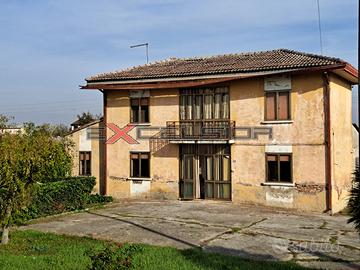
[[277, 105], [84, 163], [205, 103], [139, 110], [278, 167], [277, 97]]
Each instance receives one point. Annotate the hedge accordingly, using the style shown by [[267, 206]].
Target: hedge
[[51, 198]]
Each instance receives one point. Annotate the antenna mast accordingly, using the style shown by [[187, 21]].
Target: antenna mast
[[147, 49], [320, 32]]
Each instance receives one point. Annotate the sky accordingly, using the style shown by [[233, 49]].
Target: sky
[[48, 48]]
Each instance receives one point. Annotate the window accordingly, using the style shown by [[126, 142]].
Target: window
[[277, 105], [278, 168], [85, 163], [139, 110], [140, 165], [204, 103]]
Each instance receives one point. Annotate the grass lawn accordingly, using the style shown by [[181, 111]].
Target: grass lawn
[[36, 250]]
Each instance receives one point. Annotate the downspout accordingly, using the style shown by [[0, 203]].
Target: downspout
[[327, 138], [104, 138]]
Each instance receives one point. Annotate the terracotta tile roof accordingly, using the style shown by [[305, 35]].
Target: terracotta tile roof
[[220, 64]]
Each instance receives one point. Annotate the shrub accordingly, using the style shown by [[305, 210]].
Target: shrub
[[97, 198], [66, 195], [114, 257], [56, 197], [354, 200]]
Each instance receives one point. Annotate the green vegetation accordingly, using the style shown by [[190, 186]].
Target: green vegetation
[[52, 198], [35, 250], [54, 153], [354, 201], [86, 117], [27, 159]]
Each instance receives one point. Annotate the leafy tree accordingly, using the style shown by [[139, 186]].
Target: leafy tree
[[86, 117], [55, 154], [19, 162], [26, 159], [54, 130], [4, 121], [59, 130], [354, 201]]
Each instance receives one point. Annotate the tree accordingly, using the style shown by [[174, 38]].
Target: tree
[[4, 121], [19, 161], [354, 200], [59, 130], [86, 117], [26, 159], [55, 152]]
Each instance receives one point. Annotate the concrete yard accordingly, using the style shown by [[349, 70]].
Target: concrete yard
[[254, 232]]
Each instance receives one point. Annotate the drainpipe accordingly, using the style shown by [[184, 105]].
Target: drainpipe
[[104, 138], [327, 137]]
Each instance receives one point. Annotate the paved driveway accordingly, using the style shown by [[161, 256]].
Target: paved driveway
[[315, 240]]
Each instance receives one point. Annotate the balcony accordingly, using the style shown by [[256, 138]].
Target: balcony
[[198, 130]]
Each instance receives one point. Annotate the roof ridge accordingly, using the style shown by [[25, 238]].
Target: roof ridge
[[313, 55], [227, 54], [131, 68], [274, 59]]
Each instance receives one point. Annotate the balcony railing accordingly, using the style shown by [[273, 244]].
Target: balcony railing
[[198, 130]]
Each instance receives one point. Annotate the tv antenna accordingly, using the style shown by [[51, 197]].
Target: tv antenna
[[320, 32], [142, 45]]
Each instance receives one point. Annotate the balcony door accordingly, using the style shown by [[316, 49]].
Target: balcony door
[[205, 172], [203, 109]]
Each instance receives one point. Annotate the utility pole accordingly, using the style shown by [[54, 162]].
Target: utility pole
[[147, 49]]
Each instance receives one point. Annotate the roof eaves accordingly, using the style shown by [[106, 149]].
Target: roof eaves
[[84, 126]]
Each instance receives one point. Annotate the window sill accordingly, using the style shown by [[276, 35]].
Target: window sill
[[277, 122], [279, 184], [140, 178], [141, 124]]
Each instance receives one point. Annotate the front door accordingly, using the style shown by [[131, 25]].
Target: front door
[[205, 172]]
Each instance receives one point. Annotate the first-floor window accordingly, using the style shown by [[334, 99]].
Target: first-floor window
[[140, 164], [85, 163], [278, 168]]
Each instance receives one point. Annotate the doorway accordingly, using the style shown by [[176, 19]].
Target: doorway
[[205, 172]]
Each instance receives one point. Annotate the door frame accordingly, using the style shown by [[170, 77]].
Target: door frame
[[196, 159]]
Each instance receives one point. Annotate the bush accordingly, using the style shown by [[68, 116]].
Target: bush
[[56, 197], [114, 257], [98, 199], [354, 200], [66, 195]]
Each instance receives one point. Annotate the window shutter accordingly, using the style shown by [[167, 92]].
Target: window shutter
[[270, 106], [283, 109]]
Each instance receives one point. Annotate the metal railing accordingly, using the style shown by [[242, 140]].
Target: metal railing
[[198, 130]]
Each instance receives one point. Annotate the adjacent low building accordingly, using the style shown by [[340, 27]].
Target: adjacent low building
[[88, 152], [270, 128]]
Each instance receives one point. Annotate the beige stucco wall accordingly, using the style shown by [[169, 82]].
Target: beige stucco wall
[[164, 106], [305, 135], [341, 141], [75, 139], [96, 156]]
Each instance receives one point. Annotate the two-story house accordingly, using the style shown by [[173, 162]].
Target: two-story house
[[270, 127]]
